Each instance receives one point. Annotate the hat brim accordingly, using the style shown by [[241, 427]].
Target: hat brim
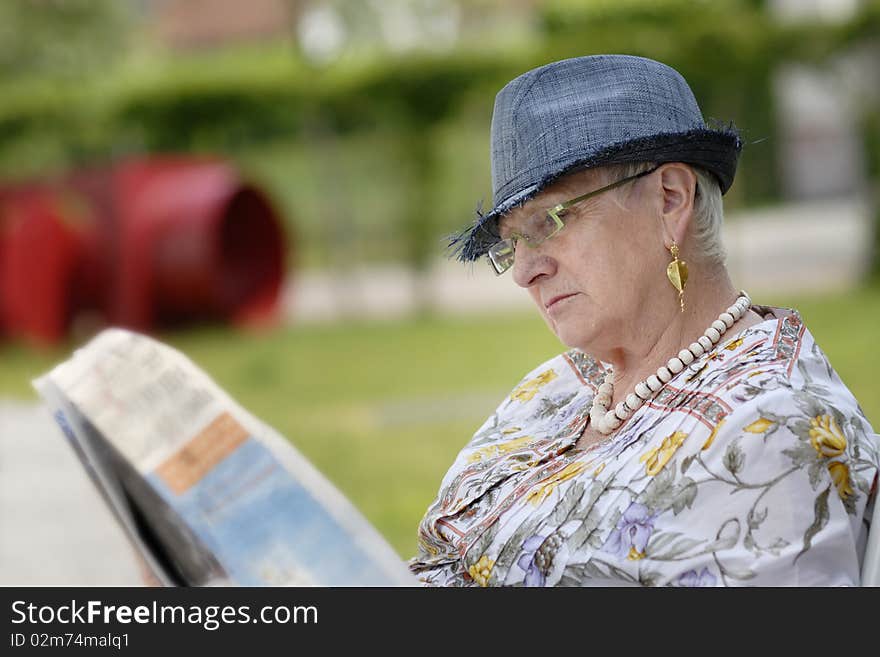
[[716, 150]]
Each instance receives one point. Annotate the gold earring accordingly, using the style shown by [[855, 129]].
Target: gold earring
[[677, 271]]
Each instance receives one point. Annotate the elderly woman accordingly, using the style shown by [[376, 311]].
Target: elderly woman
[[688, 437]]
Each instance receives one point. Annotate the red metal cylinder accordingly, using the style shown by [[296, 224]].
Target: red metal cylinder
[[146, 243], [41, 244], [196, 243]]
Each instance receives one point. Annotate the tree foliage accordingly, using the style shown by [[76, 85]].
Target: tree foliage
[[61, 38]]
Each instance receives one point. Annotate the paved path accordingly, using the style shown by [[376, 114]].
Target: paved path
[[54, 528]]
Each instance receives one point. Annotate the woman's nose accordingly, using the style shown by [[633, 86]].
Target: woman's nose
[[531, 264]]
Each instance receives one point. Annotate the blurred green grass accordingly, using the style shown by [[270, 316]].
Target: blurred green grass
[[382, 408]]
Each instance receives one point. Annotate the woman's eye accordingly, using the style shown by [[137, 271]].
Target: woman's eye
[[536, 224], [548, 225]]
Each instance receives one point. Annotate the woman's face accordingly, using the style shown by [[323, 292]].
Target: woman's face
[[599, 282]]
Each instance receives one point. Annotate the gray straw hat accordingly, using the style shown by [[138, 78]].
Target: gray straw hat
[[590, 111]]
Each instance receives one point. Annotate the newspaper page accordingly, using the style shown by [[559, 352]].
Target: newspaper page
[[208, 493]]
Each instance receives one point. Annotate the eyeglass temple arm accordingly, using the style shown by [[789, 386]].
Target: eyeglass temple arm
[[564, 206]]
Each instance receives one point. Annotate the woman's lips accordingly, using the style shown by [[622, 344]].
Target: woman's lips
[[554, 300]]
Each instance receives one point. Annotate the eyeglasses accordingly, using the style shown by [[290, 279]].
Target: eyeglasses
[[542, 226]]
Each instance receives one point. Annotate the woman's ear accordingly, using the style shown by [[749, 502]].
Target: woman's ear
[[678, 184]]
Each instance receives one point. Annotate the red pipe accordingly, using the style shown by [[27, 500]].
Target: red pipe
[[147, 243]]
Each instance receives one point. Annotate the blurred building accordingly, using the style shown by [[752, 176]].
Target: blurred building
[[323, 28], [821, 150], [189, 24], [820, 146], [829, 10]]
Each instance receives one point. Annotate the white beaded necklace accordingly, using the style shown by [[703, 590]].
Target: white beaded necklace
[[605, 421]]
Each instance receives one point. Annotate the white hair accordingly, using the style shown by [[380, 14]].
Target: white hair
[[708, 209]]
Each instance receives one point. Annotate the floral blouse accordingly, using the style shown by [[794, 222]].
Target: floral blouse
[[754, 466]]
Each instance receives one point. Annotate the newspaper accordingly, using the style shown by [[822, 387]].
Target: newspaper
[[207, 493]]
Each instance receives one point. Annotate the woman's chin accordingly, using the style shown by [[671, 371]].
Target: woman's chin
[[566, 329], [567, 336]]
